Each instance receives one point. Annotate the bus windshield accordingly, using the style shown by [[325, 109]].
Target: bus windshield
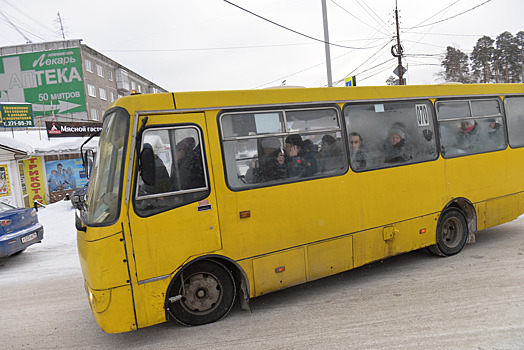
[[102, 204]]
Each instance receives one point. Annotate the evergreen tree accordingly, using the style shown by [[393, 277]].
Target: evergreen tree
[[456, 66], [482, 60], [519, 38], [507, 59]]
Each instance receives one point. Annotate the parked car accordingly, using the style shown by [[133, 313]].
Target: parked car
[[19, 228], [79, 197]]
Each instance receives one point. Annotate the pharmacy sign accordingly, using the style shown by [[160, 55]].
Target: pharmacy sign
[[50, 80]]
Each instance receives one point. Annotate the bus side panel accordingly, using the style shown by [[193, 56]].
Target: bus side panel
[[150, 299], [390, 240], [401, 193], [477, 177], [329, 258], [501, 210], [279, 270], [515, 171]]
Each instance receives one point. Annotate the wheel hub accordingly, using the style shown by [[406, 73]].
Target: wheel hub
[[202, 292]]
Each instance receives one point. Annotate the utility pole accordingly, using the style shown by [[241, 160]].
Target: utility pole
[[399, 49], [59, 19], [326, 41]]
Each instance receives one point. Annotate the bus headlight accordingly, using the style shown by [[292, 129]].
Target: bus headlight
[[99, 299]]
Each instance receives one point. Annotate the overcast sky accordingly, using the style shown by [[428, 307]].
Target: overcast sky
[[212, 45]]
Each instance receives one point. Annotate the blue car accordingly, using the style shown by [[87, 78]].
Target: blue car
[[19, 228]]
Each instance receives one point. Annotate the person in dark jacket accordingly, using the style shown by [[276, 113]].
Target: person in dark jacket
[[270, 165], [300, 158], [395, 148], [189, 165], [357, 151]]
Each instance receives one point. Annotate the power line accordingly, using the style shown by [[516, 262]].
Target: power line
[[217, 48], [383, 24], [292, 30], [444, 9], [366, 61], [358, 19], [446, 19]]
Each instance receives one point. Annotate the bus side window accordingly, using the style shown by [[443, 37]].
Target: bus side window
[[390, 133], [515, 115], [180, 176], [470, 126], [278, 146]]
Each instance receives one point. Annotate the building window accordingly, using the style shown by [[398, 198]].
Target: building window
[[100, 70], [94, 114], [139, 88], [110, 75], [112, 95], [103, 94], [91, 90], [133, 85], [89, 66]]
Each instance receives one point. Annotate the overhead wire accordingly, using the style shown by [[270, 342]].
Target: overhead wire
[[292, 30], [358, 19], [447, 19], [381, 22]]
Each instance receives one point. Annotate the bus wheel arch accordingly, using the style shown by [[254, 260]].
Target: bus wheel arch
[[208, 291], [455, 227]]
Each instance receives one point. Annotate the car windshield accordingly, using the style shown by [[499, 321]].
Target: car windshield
[[105, 189], [5, 207]]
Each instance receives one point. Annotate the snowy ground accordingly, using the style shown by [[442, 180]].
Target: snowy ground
[[474, 300], [55, 256]]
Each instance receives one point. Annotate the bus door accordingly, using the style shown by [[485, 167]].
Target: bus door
[[173, 213]]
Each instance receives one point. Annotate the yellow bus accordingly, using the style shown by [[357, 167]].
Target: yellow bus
[[201, 199]]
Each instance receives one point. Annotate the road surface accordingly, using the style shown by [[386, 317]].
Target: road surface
[[474, 300]]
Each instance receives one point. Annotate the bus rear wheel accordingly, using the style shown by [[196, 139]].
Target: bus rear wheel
[[452, 233], [207, 291]]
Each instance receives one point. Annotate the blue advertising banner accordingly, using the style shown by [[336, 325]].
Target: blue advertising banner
[[67, 174]]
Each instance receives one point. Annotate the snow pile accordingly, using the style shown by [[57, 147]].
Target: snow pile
[[56, 255]]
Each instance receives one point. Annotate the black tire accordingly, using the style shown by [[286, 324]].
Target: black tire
[[452, 233], [207, 294]]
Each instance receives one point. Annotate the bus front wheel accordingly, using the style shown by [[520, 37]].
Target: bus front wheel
[[207, 291], [452, 233]]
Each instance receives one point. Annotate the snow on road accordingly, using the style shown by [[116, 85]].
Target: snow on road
[[55, 256]]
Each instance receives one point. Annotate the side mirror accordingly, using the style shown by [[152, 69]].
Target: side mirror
[[78, 224], [147, 166]]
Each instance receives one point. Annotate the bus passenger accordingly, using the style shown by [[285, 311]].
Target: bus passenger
[[161, 176], [329, 154], [270, 165], [189, 164], [468, 138], [356, 150], [495, 133], [300, 160], [395, 148]]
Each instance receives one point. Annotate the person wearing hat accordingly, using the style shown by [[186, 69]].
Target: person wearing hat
[[395, 148], [495, 133], [467, 138]]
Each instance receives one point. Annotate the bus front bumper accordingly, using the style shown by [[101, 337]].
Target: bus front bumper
[[111, 309]]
